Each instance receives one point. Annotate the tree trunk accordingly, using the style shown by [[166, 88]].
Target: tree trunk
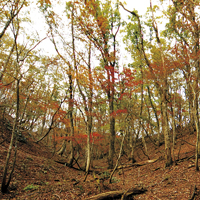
[[4, 185], [71, 121], [191, 105], [63, 148], [120, 153], [173, 129], [111, 80], [112, 137], [168, 157], [89, 131], [89, 112], [144, 144], [156, 116], [197, 141], [71, 104], [132, 146]]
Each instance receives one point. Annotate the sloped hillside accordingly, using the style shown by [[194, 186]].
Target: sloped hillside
[[37, 175]]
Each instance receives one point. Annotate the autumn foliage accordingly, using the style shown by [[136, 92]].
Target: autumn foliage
[[71, 86]]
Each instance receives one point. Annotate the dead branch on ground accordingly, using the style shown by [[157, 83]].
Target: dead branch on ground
[[66, 164], [138, 163], [193, 194], [118, 194]]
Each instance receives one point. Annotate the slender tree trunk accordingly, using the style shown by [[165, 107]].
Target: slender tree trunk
[[196, 116], [173, 129], [112, 135], [133, 140], [88, 151], [120, 153], [165, 128], [63, 148], [132, 146], [92, 154], [111, 99], [111, 92], [156, 116], [89, 113], [163, 90], [196, 121], [4, 185], [88, 156], [71, 104], [197, 141], [197, 66], [196, 37], [191, 105], [71, 128], [144, 144]]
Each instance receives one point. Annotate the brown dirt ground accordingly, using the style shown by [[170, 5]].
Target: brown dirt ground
[[47, 179]]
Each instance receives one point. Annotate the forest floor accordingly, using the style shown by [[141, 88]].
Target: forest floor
[[38, 176]]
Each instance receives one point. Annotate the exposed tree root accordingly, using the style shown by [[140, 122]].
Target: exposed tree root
[[118, 194]]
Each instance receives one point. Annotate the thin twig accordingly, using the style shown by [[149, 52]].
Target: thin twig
[[193, 194], [56, 196]]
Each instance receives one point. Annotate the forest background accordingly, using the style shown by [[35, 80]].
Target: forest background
[[87, 96]]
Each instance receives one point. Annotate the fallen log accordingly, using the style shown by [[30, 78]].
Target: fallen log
[[137, 164], [117, 194]]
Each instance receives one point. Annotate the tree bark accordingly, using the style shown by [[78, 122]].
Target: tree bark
[[132, 146], [71, 103], [173, 128], [89, 116], [112, 136], [168, 157], [63, 148]]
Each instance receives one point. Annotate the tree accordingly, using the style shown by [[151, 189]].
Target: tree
[[162, 86], [19, 59], [106, 21], [183, 26]]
